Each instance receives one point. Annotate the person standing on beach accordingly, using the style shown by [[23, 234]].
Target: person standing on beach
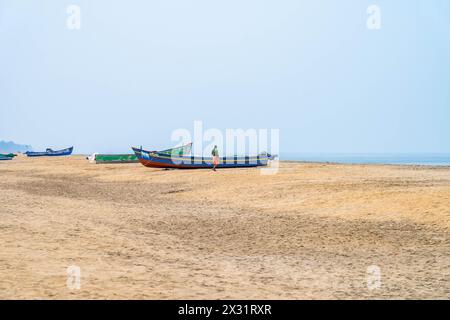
[[215, 154]]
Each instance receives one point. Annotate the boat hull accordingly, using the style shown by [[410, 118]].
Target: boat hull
[[51, 153], [115, 158], [155, 160], [9, 155]]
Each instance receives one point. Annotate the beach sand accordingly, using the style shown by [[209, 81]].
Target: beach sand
[[309, 232]]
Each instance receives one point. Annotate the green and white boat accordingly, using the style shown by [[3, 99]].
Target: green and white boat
[[9, 155], [132, 158], [116, 158]]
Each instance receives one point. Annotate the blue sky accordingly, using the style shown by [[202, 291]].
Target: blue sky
[[137, 70]]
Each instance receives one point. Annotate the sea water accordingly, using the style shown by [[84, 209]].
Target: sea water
[[435, 159]]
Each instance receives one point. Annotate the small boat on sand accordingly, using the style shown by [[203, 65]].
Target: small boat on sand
[[9, 155], [115, 158], [50, 153], [132, 158], [2, 158], [158, 160]]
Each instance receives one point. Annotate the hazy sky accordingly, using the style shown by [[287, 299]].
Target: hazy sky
[[137, 70]]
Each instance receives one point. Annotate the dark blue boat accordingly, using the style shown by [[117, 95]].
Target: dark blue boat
[[157, 160], [50, 153]]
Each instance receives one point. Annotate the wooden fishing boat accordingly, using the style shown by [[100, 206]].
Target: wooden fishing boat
[[158, 160], [50, 153], [9, 155], [5, 158], [116, 158], [132, 158]]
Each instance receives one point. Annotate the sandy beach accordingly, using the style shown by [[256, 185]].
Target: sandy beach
[[309, 232]]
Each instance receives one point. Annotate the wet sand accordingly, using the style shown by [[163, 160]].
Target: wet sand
[[308, 232]]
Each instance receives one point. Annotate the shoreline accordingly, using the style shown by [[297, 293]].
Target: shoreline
[[431, 166]]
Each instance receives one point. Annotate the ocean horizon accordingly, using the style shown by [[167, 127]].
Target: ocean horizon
[[434, 159]]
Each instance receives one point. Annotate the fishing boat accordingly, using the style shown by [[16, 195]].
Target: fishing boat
[[50, 153], [158, 160], [5, 158], [9, 155], [132, 158], [115, 158]]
